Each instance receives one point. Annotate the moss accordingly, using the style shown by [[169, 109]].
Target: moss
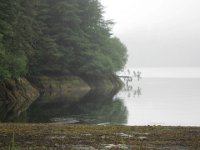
[[58, 85], [63, 85], [103, 83]]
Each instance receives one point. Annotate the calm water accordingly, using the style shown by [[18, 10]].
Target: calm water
[[163, 101], [150, 101]]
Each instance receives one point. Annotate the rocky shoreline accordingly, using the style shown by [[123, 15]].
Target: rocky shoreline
[[93, 137], [16, 95]]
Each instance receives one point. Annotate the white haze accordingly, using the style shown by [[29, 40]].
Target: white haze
[[157, 33], [190, 72]]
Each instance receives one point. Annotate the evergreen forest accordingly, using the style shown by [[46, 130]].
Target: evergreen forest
[[57, 37]]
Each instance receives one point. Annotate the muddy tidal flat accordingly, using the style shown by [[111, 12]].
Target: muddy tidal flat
[[92, 137]]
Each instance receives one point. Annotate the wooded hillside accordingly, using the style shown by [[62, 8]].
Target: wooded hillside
[[57, 37]]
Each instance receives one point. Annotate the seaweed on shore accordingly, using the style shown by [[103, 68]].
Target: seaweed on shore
[[62, 136]]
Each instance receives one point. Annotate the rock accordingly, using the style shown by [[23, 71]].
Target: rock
[[58, 85], [16, 95]]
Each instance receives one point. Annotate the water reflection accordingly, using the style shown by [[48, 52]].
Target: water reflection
[[131, 88], [163, 101], [91, 108], [13, 111], [160, 101], [133, 91]]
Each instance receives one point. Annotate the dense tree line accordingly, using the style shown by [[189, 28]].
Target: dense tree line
[[57, 37]]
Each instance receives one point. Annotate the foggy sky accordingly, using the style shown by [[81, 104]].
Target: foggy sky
[[157, 33]]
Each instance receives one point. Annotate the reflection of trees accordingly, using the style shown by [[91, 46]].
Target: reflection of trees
[[127, 78], [94, 107], [137, 92], [13, 111], [103, 109], [132, 91], [16, 111], [114, 113], [48, 106]]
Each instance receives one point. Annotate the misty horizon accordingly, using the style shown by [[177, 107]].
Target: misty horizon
[[157, 33], [164, 72]]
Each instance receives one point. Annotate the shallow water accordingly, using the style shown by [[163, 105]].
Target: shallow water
[[150, 101], [163, 101], [89, 108]]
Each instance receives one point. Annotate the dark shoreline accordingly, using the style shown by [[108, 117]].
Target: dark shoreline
[[62, 136], [16, 95]]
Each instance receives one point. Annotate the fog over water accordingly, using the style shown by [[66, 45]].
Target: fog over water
[[157, 33], [174, 72], [163, 101], [162, 38]]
